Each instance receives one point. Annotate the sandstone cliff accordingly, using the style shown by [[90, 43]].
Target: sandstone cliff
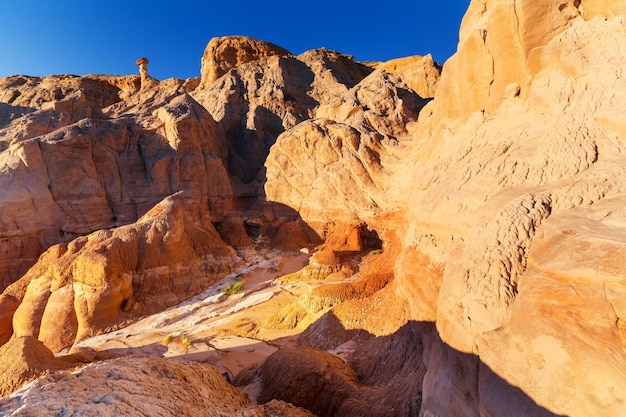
[[516, 169]]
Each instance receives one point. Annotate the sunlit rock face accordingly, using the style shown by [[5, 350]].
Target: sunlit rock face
[[516, 188], [228, 52], [467, 249]]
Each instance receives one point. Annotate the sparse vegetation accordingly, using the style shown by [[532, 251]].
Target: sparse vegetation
[[167, 339], [376, 252], [186, 342], [233, 288]]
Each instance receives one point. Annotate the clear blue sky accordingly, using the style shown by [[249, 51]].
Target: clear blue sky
[[42, 37]]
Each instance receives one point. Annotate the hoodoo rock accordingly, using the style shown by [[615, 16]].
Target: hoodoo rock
[[146, 80]]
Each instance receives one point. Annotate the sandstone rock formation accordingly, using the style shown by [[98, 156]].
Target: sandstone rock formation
[[258, 100], [134, 386], [473, 246], [333, 166], [228, 52], [146, 80], [516, 166], [97, 281], [420, 73]]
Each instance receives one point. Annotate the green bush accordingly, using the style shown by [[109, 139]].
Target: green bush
[[376, 252], [167, 339], [233, 288], [186, 342]]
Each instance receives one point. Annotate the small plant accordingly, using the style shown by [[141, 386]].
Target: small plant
[[376, 252], [233, 288], [167, 339], [186, 342]]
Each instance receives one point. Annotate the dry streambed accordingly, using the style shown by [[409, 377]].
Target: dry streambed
[[229, 331]]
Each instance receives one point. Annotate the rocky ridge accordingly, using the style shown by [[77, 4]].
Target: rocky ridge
[[468, 248]]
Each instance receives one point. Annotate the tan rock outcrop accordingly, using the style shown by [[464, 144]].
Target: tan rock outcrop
[[33, 92], [602, 8], [497, 46], [228, 52], [499, 196], [97, 281], [334, 166], [258, 100], [141, 386], [420, 73], [95, 162]]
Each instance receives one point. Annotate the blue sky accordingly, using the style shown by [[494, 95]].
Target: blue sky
[[41, 37]]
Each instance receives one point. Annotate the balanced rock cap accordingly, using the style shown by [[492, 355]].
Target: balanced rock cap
[[142, 60]]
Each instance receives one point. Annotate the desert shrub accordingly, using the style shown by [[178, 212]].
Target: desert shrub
[[376, 252], [233, 288], [167, 339], [186, 342]]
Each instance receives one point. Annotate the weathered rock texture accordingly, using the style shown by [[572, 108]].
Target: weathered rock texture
[[420, 73], [97, 281], [80, 165], [498, 209], [25, 359], [228, 52], [258, 100], [517, 180], [149, 386]]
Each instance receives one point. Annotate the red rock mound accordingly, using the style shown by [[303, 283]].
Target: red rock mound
[[24, 359]]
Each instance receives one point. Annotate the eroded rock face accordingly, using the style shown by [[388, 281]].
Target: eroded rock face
[[116, 169], [499, 195], [24, 359], [498, 208], [258, 100], [140, 386], [498, 46], [228, 52], [420, 73], [34, 92], [82, 288], [334, 166]]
